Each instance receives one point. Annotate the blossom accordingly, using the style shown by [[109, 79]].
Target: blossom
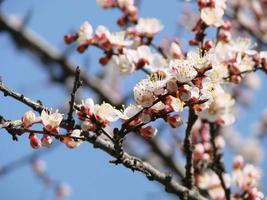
[[220, 109], [63, 190], [51, 121], [103, 113], [175, 51], [212, 16], [71, 142], [118, 39], [28, 119], [39, 166], [105, 3], [183, 70], [174, 121], [46, 140], [148, 27], [102, 34], [148, 132], [123, 63], [142, 56], [107, 112], [85, 33], [125, 3], [175, 103], [131, 110], [146, 90]]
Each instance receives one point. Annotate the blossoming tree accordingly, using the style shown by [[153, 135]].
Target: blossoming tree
[[194, 87]]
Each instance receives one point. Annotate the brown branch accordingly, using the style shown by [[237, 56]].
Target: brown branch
[[76, 85], [160, 149], [152, 173]]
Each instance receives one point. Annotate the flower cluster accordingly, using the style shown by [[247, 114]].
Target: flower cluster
[[199, 79], [212, 11]]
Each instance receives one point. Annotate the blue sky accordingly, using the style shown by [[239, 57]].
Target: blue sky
[[87, 170]]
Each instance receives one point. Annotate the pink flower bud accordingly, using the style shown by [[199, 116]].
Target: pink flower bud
[[238, 162], [219, 142], [63, 191], [28, 119], [46, 140], [148, 132], [35, 141], [174, 121], [39, 166]]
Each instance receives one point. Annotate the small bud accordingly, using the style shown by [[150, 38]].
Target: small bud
[[227, 25], [71, 142], [46, 140], [208, 45], [35, 141], [28, 119], [69, 39], [193, 42], [174, 121], [63, 191], [82, 48], [225, 36], [238, 162], [39, 166], [148, 132], [104, 60]]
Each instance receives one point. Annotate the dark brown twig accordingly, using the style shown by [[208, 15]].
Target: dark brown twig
[[76, 85]]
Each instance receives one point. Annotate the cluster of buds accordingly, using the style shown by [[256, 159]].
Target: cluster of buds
[[50, 121], [102, 38], [246, 177], [128, 7]]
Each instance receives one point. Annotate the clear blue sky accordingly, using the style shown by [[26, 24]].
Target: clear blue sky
[[87, 170]]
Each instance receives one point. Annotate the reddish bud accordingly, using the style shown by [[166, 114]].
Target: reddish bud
[[193, 42], [174, 121], [82, 48], [208, 45], [35, 141], [227, 25], [69, 39], [104, 60], [148, 132]]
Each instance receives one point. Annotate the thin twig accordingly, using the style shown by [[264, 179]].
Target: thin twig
[[76, 85]]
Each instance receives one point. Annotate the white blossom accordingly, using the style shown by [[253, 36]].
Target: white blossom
[[183, 70], [51, 121], [28, 119], [148, 26], [85, 33]]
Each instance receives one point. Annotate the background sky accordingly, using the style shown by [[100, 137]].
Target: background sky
[[87, 170]]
